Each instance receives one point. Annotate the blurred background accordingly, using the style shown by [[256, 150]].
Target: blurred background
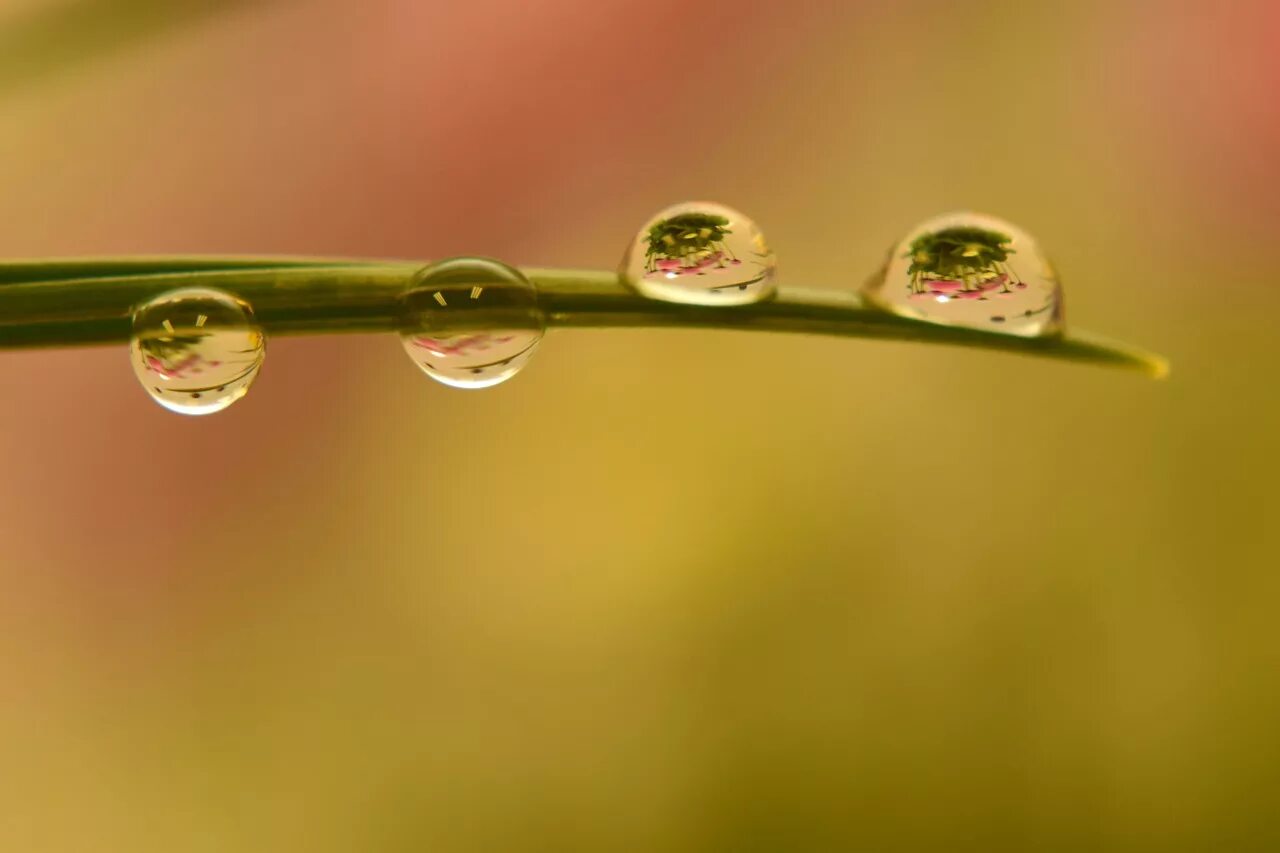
[[665, 590]]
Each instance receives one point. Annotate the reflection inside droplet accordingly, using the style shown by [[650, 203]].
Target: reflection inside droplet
[[196, 350], [967, 269], [471, 322], [700, 253]]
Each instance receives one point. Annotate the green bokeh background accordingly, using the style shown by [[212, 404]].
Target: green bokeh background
[[665, 590]]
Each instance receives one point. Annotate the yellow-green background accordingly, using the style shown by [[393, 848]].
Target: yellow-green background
[[684, 591]]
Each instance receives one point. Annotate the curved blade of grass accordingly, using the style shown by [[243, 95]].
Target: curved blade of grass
[[62, 269], [314, 296], [56, 36]]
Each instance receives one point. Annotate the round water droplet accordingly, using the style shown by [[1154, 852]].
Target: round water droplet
[[967, 269], [701, 253], [196, 350], [471, 322]]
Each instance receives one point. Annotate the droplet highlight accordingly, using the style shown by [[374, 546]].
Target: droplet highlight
[[975, 271], [701, 253], [471, 322], [196, 350]]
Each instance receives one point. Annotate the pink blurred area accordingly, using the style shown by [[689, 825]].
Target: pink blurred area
[[400, 129], [1195, 85], [663, 590]]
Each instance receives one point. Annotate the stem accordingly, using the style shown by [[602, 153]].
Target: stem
[[19, 272], [65, 303]]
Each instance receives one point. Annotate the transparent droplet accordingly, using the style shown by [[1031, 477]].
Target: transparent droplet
[[471, 322], [701, 253], [196, 350], [967, 269]]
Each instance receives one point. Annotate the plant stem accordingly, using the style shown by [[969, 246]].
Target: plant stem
[[66, 303]]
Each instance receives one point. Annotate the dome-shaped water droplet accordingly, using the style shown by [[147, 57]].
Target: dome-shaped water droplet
[[967, 269], [701, 253], [471, 322], [196, 350]]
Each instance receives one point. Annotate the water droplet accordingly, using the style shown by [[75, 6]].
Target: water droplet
[[196, 350], [701, 253], [471, 322], [967, 269]]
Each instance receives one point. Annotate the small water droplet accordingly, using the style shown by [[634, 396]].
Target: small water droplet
[[952, 269], [196, 350], [701, 253], [471, 322]]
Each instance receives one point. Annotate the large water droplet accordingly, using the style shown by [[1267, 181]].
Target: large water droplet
[[701, 253], [471, 322], [967, 269], [196, 350]]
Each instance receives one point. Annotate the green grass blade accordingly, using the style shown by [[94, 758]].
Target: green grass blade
[[316, 296]]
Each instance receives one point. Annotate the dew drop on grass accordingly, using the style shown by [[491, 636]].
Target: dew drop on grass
[[971, 270], [700, 253], [196, 350], [471, 322]]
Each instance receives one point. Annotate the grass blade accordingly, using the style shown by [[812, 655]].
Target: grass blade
[[90, 302]]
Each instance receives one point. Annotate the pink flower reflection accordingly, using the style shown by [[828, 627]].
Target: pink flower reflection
[[693, 265], [193, 363], [461, 346], [993, 283]]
